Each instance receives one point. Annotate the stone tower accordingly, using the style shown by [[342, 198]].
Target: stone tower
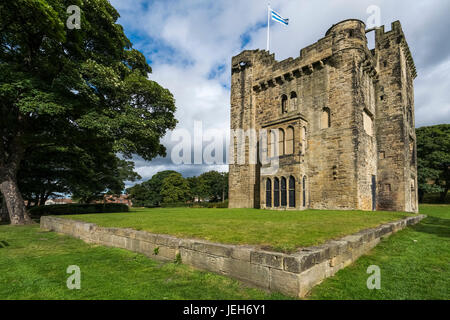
[[339, 123], [396, 137]]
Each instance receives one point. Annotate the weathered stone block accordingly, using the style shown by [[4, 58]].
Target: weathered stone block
[[269, 259], [215, 249], [242, 253], [146, 236], [301, 261], [312, 276], [166, 240], [354, 241], [255, 274], [284, 282], [202, 260]]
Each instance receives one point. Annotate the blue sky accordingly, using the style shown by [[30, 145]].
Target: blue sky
[[189, 45]]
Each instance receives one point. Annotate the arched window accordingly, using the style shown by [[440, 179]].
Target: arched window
[[291, 192], [410, 117], [367, 123], [272, 141], [281, 142], [290, 140], [283, 192], [284, 100], [268, 193], [303, 137], [325, 120], [304, 191], [276, 192], [293, 101]]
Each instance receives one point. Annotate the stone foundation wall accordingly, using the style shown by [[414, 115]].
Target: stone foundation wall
[[291, 274]]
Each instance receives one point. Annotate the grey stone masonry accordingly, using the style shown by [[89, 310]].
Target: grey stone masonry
[[291, 274]]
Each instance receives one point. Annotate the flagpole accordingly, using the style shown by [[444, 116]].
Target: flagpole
[[268, 26]]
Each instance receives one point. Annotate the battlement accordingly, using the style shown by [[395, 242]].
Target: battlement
[[397, 36]]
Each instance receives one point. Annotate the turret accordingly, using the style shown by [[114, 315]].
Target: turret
[[397, 167]]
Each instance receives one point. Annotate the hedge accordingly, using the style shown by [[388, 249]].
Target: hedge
[[196, 205], [76, 208]]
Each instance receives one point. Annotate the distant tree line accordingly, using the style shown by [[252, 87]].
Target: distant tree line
[[433, 166], [169, 186]]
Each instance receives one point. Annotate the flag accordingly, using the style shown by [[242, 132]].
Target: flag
[[277, 17]]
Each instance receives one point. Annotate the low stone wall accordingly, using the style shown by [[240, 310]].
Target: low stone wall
[[291, 274]]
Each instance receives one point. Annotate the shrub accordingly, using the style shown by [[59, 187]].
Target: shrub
[[210, 204], [176, 205], [76, 208], [434, 198], [196, 205]]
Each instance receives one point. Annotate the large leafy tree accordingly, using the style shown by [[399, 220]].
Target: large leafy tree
[[195, 188], [87, 172], [213, 185], [433, 154], [175, 189], [59, 84]]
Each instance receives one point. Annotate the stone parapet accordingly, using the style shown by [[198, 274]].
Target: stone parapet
[[291, 274]]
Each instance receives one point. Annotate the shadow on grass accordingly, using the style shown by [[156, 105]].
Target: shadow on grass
[[434, 225]]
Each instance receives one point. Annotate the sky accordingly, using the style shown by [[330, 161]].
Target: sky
[[189, 45]]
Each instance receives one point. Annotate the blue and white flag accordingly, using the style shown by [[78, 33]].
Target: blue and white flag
[[277, 17]]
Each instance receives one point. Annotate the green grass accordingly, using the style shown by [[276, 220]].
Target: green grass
[[275, 230], [414, 264], [33, 265]]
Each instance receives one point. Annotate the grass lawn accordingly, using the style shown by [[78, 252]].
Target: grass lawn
[[414, 264], [33, 265], [275, 230]]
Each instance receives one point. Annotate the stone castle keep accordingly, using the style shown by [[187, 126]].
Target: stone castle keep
[[344, 118]]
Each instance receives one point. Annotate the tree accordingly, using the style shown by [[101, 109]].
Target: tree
[[59, 84], [194, 187], [107, 177], [147, 194], [87, 171], [4, 216], [175, 189], [433, 154], [213, 185]]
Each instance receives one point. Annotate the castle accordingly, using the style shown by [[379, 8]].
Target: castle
[[340, 119]]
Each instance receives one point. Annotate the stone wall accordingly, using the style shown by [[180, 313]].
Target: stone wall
[[291, 274]]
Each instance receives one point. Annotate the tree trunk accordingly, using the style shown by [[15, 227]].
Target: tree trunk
[[4, 216], [443, 195], [14, 202]]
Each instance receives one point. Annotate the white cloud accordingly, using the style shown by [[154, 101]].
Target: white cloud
[[188, 40]]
